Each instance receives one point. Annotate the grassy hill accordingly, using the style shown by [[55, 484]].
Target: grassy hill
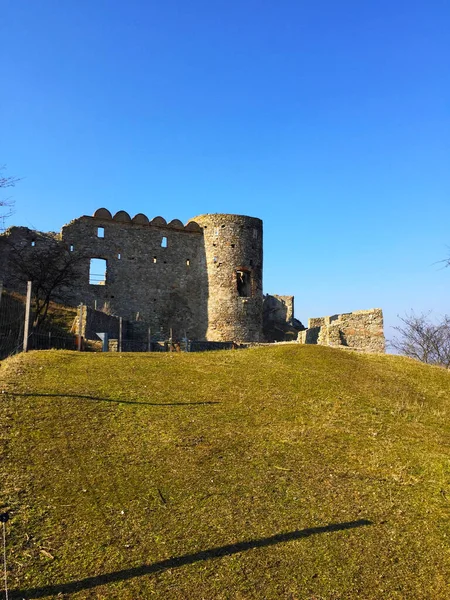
[[297, 472]]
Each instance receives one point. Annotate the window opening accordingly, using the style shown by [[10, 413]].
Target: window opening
[[71, 247], [216, 231], [97, 271], [243, 281], [100, 232], [188, 262], [232, 245], [119, 256], [215, 259], [164, 242], [154, 259], [33, 243], [255, 234]]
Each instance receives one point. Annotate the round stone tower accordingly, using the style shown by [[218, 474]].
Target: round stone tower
[[234, 262]]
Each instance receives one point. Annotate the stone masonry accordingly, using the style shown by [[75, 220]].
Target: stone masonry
[[360, 330], [279, 323], [202, 280]]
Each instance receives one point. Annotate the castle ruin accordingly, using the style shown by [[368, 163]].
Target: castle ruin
[[203, 279]]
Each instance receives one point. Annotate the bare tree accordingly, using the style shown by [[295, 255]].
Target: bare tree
[[51, 268], [424, 340], [6, 204]]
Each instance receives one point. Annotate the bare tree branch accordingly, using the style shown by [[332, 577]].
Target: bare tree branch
[[49, 265], [424, 340], [6, 204]]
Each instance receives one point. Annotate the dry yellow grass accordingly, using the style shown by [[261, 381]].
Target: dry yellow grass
[[286, 472]]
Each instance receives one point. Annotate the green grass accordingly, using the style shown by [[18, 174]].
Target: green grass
[[141, 476]]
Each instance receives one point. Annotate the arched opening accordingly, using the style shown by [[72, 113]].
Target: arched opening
[[244, 283]]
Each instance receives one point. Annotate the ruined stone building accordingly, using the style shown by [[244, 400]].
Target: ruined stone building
[[203, 279]]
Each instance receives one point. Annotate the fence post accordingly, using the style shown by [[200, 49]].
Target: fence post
[[120, 334], [80, 327], [27, 318]]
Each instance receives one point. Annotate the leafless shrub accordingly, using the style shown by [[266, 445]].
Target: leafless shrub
[[421, 338], [49, 265]]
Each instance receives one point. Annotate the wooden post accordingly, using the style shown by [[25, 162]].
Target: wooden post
[[120, 333], [26, 330], [80, 328], [149, 339]]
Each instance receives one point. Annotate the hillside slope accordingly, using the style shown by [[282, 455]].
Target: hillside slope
[[287, 472]]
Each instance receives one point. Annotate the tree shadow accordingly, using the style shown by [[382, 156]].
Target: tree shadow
[[186, 559], [116, 401]]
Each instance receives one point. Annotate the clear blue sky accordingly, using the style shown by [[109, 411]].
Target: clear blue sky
[[329, 120]]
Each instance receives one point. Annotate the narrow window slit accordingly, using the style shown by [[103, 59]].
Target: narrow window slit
[[243, 280]]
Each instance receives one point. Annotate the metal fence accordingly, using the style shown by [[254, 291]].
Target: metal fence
[[18, 333], [14, 337]]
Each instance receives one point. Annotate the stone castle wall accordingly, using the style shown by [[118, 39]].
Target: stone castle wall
[[361, 330], [278, 319], [203, 280], [234, 262], [94, 322], [155, 271], [20, 241]]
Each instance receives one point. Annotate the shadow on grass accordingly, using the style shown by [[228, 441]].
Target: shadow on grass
[[180, 561], [96, 399]]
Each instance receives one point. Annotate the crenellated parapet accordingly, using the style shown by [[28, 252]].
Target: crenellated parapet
[[123, 217]]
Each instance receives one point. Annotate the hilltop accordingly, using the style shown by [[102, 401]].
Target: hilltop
[[277, 472]]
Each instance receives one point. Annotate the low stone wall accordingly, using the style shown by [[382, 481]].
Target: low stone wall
[[96, 321], [360, 330]]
